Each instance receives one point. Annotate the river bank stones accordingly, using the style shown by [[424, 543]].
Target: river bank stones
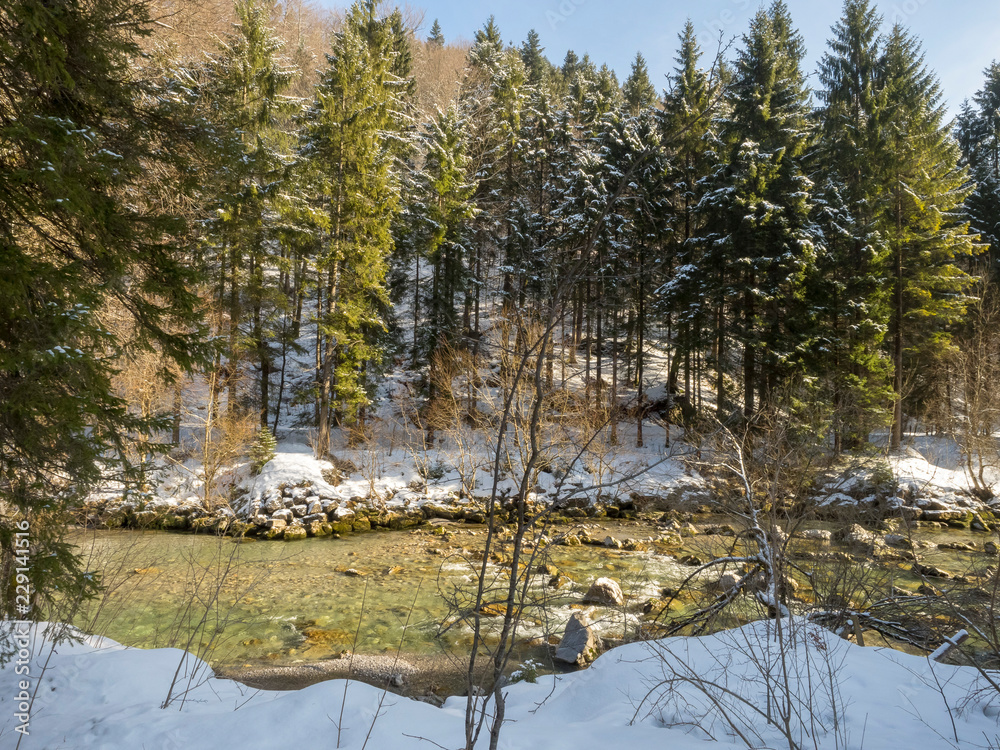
[[580, 644]]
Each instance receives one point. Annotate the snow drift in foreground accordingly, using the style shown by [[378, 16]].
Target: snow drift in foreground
[[818, 690]]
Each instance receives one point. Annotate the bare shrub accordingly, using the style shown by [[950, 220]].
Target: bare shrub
[[977, 365], [775, 677]]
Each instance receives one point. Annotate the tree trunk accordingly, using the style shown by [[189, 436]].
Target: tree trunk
[[721, 404], [232, 380], [327, 369], [175, 437], [416, 310], [613, 400], [640, 344], [749, 361], [281, 379], [896, 437]]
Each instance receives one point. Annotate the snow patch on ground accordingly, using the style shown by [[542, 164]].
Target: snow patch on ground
[[677, 693]]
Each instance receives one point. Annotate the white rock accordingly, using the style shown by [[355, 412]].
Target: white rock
[[606, 592], [823, 535]]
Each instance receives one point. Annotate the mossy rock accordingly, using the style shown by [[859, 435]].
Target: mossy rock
[[435, 510], [653, 609], [294, 533], [397, 521], [239, 528], [148, 519], [205, 523], [476, 516], [361, 523], [670, 539], [343, 526], [964, 522], [173, 522], [983, 521], [319, 528]]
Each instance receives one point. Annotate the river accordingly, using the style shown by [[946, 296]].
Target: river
[[251, 603]]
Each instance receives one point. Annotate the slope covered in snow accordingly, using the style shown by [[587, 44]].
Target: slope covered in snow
[[754, 686]]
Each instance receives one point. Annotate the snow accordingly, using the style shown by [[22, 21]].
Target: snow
[[677, 693], [296, 463], [935, 462]]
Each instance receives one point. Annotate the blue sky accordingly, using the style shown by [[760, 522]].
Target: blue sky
[[960, 38]]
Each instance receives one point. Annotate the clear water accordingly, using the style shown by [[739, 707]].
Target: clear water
[[250, 603]]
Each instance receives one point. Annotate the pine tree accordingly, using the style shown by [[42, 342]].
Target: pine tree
[[978, 133], [925, 236], [851, 304], [638, 90], [347, 144], [89, 224], [245, 86], [759, 229], [436, 36]]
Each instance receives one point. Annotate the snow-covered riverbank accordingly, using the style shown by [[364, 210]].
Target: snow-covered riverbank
[[677, 693]]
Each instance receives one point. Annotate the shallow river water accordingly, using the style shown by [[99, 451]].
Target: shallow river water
[[286, 602], [253, 603]]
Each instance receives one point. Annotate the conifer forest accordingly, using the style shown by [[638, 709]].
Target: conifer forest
[[279, 218]]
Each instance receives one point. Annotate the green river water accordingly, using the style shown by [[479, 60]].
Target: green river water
[[254, 603]]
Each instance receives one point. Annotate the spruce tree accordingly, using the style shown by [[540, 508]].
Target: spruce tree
[[758, 227], [978, 133], [491, 101], [638, 90], [436, 36], [535, 64], [445, 206], [690, 110], [245, 86], [347, 144], [925, 235], [850, 299], [89, 225]]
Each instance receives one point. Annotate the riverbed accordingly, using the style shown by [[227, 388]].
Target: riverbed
[[244, 605]]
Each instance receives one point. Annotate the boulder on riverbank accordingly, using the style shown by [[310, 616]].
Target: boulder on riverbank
[[580, 644]]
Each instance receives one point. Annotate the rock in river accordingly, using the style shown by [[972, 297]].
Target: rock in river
[[605, 592]]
